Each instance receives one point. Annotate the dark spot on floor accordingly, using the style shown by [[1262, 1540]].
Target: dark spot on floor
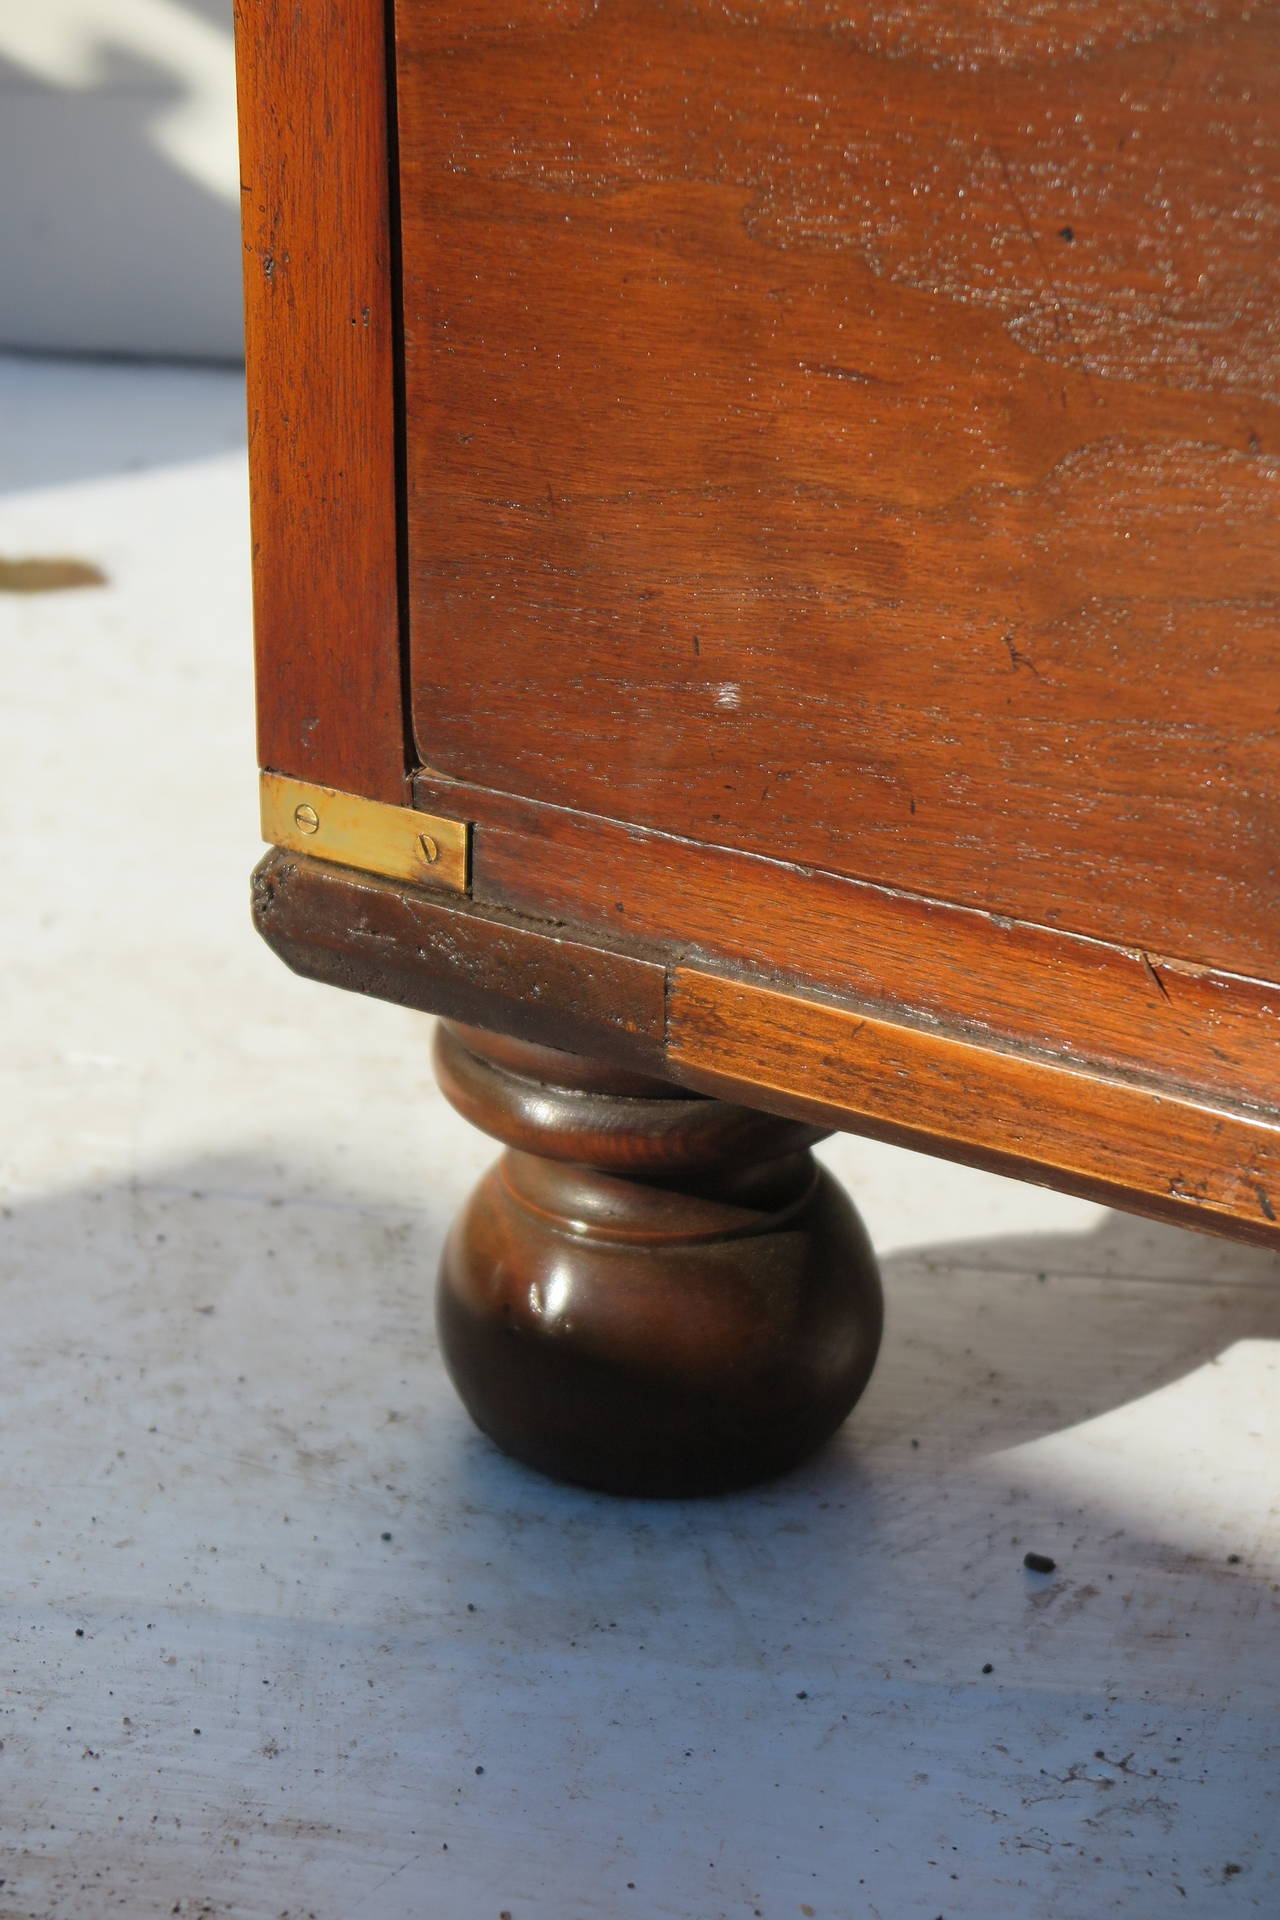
[[48, 575]]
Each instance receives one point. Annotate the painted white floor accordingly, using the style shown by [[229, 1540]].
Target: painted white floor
[[283, 1637]]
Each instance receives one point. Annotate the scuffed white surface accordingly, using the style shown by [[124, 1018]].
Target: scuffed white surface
[[225, 1192]]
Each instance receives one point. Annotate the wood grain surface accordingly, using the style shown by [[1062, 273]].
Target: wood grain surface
[[850, 433], [320, 323], [1152, 1151], [842, 477], [1131, 1139], [998, 979]]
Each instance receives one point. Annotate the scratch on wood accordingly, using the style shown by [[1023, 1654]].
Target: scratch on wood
[[1061, 319], [1154, 975], [830, 371], [1017, 659]]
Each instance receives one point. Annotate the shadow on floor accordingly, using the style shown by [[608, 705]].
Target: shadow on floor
[[990, 1344], [235, 1456], [66, 420]]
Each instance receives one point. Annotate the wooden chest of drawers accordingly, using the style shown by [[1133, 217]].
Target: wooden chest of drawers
[[766, 570]]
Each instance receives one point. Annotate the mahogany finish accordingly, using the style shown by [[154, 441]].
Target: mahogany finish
[[850, 433], [321, 318], [1142, 1142], [651, 1293], [996, 978], [1149, 1148], [800, 481]]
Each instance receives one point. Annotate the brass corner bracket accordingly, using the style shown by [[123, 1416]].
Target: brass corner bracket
[[397, 843]]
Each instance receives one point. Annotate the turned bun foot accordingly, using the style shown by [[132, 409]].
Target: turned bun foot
[[651, 1292]]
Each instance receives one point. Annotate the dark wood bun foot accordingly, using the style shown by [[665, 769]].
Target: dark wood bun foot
[[650, 1293]]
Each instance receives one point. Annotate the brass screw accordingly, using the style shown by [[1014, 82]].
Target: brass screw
[[306, 819], [430, 851]]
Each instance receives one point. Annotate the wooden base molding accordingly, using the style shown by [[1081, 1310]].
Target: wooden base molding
[[651, 1292], [1160, 1145]]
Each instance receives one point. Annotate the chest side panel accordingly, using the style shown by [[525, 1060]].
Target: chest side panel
[[851, 433]]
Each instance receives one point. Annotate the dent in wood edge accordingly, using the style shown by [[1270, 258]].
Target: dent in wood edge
[[449, 956]]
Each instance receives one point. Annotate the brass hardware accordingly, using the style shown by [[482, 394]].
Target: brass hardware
[[397, 842]]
